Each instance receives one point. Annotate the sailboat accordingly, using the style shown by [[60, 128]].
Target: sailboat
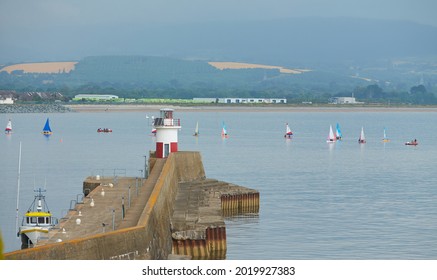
[[331, 136], [47, 130], [338, 132], [224, 131], [385, 139], [8, 129], [288, 132], [37, 221], [196, 130], [362, 138]]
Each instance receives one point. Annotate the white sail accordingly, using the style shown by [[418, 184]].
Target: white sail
[[362, 138], [8, 128], [331, 136], [385, 139], [196, 131], [288, 132]]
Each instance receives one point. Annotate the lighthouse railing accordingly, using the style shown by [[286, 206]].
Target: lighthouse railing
[[166, 122]]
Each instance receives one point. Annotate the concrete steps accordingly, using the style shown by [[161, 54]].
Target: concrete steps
[[133, 214]]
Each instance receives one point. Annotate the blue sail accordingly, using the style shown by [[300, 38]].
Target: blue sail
[[224, 131], [47, 130], [338, 133]]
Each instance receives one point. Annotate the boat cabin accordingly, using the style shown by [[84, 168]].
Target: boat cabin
[[38, 219]]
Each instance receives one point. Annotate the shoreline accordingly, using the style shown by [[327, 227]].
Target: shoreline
[[102, 108], [278, 108]]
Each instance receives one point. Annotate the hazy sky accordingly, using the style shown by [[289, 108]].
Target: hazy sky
[[15, 14], [33, 30]]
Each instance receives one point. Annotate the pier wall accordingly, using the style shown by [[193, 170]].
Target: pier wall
[[150, 239], [181, 166]]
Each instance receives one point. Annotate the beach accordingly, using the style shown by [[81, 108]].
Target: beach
[[114, 108], [241, 108]]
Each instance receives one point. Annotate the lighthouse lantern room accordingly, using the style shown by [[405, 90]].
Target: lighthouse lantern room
[[166, 133]]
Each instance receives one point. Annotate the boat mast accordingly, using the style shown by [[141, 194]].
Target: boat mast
[[18, 187]]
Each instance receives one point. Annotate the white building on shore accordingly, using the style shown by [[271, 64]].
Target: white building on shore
[[7, 100], [96, 97], [237, 100], [344, 100]]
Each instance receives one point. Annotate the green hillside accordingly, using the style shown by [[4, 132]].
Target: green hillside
[[161, 72], [165, 77]]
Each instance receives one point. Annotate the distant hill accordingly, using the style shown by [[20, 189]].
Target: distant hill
[[166, 77], [342, 53], [66, 67], [115, 74], [151, 71]]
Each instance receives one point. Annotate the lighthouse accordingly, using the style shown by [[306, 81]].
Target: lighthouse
[[166, 133]]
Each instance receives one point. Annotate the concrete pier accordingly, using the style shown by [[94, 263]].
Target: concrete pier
[[198, 227], [175, 213], [112, 203]]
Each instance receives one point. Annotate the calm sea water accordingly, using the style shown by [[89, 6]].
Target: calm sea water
[[318, 200]]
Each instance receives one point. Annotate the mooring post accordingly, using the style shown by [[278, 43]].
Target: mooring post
[[129, 196], [122, 208], [146, 170], [113, 219]]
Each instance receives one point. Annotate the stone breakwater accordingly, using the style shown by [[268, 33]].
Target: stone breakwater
[[176, 213], [34, 108]]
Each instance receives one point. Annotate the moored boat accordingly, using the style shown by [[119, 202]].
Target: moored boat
[[37, 222]]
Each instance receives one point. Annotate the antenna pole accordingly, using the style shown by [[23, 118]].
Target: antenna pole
[[18, 187]]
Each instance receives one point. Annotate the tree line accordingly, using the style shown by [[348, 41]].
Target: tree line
[[417, 95]]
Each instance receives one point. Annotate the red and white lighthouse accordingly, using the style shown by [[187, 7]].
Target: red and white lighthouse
[[166, 133]]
